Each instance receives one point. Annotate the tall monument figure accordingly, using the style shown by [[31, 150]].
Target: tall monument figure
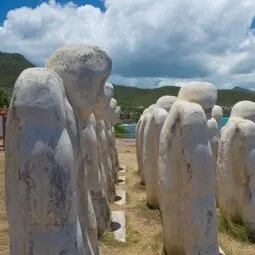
[[101, 113], [41, 171], [114, 121], [48, 205], [151, 135], [139, 140], [236, 165], [187, 201], [84, 71], [95, 183], [214, 134], [217, 113]]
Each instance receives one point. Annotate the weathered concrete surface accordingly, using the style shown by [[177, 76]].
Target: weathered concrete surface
[[84, 71], [118, 218], [108, 181], [166, 102], [236, 165], [41, 151], [217, 113], [121, 197], [114, 120], [121, 180], [104, 134], [202, 93], [187, 200], [95, 184], [185, 175], [213, 133], [139, 140], [151, 134]]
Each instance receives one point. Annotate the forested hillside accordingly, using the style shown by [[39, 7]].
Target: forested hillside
[[131, 99]]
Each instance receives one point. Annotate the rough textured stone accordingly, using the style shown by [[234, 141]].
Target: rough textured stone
[[84, 71], [213, 133], [203, 93], [187, 201], [108, 181], [236, 165], [217, 113], [151, 134], [115, 121], [102, 111], [113, 118], [166, 102], [95, 184], [139, 139], [41, 155]]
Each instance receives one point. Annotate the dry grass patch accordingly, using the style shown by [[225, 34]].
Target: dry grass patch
[[234, 238], [143, 225]]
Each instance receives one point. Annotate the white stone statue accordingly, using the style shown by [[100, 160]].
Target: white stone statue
[[114, 121], [236, 165], [151, 136], [187, 201], [139, 140], [41, 171], [217, 113], [110, 137], [101, 112], [166, 102], [214, 133], [95, 183], [84, 71]]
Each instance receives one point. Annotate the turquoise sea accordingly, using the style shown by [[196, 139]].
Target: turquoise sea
[[130, 128]]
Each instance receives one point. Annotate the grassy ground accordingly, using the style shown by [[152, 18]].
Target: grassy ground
[[143, 225], [144, 231]]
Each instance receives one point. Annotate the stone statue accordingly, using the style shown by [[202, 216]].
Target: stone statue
[[111, 141], [151, 136], [139, 140], [187, 201], [217, 113], [40, 174], [84, 71], [101, 113], [95, 183], [213, 133], [114, 121], [236, 165], [166, 102]]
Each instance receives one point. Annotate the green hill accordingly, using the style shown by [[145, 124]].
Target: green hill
[[134, 100], [11, 65], [131, 99]]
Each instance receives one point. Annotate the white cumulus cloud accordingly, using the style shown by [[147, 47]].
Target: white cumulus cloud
[[152, 43]]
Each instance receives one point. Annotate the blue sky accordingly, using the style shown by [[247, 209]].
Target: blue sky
[[7, 5], [152, 43]]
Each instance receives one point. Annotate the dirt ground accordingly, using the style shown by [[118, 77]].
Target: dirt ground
[[144, 231]]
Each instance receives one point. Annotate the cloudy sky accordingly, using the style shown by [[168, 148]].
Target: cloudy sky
[[152, 42]]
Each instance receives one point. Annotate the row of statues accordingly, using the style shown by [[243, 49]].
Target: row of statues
[[61, 155], [189, 166]]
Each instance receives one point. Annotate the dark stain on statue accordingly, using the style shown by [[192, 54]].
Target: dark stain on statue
[[209, 221], [189, 171], [25, 176], [31, 248], [173, 128], [57, 116]]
